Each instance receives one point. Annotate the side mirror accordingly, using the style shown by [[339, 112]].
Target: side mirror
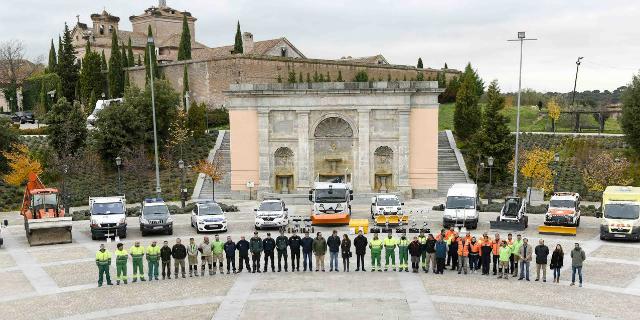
[[5, 222], [193, 213], [351, 197], [402, 203], [310, 197], [255, 210], [373, 200], [286, 209]]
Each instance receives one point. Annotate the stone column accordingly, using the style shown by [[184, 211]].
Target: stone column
[[263, 151], [362, 171], [303, 151], [403, 151]]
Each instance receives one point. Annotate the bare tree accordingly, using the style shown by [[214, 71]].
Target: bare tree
[[215, 170], [14, 67]]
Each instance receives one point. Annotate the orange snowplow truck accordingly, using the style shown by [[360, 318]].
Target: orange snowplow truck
[[44, 217]]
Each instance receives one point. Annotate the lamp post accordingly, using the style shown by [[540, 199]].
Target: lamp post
[[522, 39], [186, 101], [153, 112], [118, 164], [490, 163], [183, 192], [479, 169], [65, 170], [556, 166]]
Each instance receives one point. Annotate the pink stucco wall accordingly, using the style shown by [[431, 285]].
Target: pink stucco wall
[[423, 148], [244, 148]]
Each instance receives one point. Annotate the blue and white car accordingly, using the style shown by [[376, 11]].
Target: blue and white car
[[208, 216]]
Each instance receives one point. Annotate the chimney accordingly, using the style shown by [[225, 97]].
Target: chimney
[[247, 42]]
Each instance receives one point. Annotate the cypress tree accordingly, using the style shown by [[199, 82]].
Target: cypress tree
[[59, 49], [67, 68], [300, 80], [91, 78], [116, 79], [321, 78], [279, 78], [130, 62], [419, 66], [445, 66], [328, 77], [151, 58], [315, 76], [292, 76], [184, 50], [139, 60], [104, 71], [308, 78], [185, 87], [467, 116], [237, 46], [53, 59], [125, 64], [339, 79]]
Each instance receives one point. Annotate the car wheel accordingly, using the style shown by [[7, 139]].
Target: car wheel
[[93, 236], [124, 236], [602, 237], [170, 232], [144, 233], [256, 227]]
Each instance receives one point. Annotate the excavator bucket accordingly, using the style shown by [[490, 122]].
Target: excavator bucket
[[507, 225], [334, 219], [48, 231], [557, 230], [381, 220]]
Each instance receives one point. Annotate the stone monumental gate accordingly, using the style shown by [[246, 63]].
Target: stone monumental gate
[[380, 136]]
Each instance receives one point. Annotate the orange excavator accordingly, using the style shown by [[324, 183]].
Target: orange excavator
[[44, 217]]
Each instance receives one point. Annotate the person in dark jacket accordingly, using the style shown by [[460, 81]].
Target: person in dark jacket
[[453, 252], [243, 254], [307, 250], [165, 256], [255, 245], [441, 255], [333, 242], [179, 253], [542, 253], [345, 246], [557, 259], [268, 245], [230, 253], [319, 249], [360, 242], [430, 248], [282, 242], [294, 245], [414, 252]]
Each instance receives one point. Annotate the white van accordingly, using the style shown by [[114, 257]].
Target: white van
[[108, 217], [461, 209]]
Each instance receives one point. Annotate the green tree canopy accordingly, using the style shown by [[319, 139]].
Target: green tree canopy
[[419, 63], [8, 137], [67, 127], [116, 75], [131, 60], [479, 83], [53, 59], [67, 68], [119, 129], [467, 116], [184, 50], [631, 113], [361, 76], [91, 78], [237, 46], [196, 119]]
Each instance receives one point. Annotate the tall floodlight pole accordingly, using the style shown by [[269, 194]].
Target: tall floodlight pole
[[522, 39], [153, 111], [575, 82]]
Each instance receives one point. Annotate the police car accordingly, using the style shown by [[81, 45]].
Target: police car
[[208, 216]]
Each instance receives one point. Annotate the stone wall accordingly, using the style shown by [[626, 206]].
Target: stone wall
[[208, 79]]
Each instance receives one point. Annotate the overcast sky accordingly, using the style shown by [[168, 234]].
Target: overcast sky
[[606, 33]]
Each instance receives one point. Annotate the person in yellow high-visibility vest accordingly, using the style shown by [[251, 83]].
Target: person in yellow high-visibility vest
[[153, 257], [137, 253], [390, 244], [376, 251], [122, 257], [103, 261], [403, 253]]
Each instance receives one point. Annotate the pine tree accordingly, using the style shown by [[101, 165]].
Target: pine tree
[[185, 87], [339, 78], [53, 59], [630, 120], [419, 66], [237, 46], [116, 78], [91, 78], [184, 50], [151, 48], [59, 50], [292, 76], [104, 69], [479, 84], [131, 60], [466, 116], [321, 78], [67, 68]]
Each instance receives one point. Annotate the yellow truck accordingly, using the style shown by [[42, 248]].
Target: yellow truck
[[620, 213]]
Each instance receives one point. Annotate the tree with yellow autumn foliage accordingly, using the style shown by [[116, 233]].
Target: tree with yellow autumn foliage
[[215, 170], [535, 167], [553, 109], [20, 165]]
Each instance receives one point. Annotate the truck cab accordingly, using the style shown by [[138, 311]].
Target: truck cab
[[620, 213], [271, 213], [386, 204], [331, 203], [155, 217], [107, 217], [461, 208], [208, 216], [564, 210]]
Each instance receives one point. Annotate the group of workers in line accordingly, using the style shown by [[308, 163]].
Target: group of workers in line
[[428, 252]]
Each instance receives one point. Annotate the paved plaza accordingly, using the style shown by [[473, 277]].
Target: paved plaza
[[60, 282]]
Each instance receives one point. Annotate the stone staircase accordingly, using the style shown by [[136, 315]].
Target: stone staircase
[[223, 187], [449, 171]]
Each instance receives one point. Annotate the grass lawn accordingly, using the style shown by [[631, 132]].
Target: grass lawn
[[531, 120]]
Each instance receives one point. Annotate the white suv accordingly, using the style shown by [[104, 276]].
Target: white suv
[[386, 204], [208, 216], [271, 213]]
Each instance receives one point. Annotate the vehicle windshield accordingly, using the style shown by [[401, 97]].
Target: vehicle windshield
[[45, 201], [331, 195], [270, 206], [107, 208], [209, 209], [155, 210], [388, 202], [461, 202], [621, 211], [562, 204]]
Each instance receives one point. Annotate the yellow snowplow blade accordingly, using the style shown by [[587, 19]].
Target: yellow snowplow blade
[[404, 219], [48, 231], [559, 230], [359, 224], [381, 220], [333, 219], [393, 220]]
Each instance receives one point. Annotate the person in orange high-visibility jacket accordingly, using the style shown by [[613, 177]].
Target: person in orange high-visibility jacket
[[474, 254], [486, 247], [463, 253], [448, 237], [495, 252]]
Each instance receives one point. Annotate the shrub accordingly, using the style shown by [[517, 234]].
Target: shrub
[[34, 131]]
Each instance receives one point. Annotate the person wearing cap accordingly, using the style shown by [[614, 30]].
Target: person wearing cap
[[269, 245], [255, 246], [307, 251], [103, 261]]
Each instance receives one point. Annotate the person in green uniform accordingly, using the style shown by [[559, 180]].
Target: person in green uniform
[[422, 240], [390, 244], [376, 251], [403, 253], [103, 261], [153, 257], [137, 253], [122, 257], [217, 248]]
